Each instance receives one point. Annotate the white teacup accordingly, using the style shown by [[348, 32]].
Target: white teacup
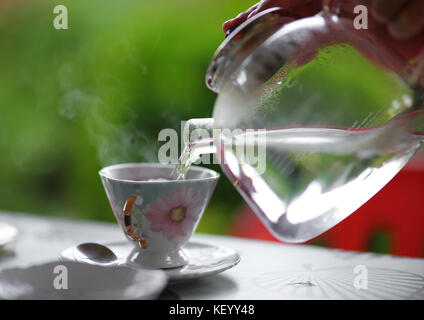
[[158, 215]]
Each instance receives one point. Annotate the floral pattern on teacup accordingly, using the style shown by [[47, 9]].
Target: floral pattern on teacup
[[172, 216]]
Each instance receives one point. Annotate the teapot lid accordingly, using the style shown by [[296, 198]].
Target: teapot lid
[[241, 42], [256, 30]]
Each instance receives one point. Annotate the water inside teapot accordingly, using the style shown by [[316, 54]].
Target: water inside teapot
[[312, 174]]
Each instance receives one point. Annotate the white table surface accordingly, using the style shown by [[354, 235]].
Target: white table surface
[[268, 270]]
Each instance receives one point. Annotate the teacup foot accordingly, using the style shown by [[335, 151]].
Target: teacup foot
[[162, 260]]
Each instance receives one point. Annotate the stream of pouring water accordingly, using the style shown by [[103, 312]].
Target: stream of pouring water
[[191, 153]]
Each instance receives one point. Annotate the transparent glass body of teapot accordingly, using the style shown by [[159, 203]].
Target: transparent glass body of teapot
[[325, 121]]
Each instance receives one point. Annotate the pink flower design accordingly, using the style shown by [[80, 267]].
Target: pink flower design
[[173, 215]]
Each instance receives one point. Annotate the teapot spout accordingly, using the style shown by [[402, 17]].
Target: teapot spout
[[195, 128], [198, 136], [198, 140]]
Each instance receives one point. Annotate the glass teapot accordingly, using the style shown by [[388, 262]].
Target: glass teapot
[[326, 115]]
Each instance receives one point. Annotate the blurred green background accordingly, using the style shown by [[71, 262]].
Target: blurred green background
[[73, 101]]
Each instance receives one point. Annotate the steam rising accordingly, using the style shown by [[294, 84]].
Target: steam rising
[[116, 140]]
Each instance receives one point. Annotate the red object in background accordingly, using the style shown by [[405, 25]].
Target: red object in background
[[398, 210]]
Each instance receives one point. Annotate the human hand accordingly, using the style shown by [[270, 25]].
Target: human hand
[[400, 23]]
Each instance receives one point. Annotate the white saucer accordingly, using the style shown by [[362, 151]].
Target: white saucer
[[7, 234], [46, 282], [204, 259]]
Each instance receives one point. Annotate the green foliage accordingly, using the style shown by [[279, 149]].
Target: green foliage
[[379, 242]]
